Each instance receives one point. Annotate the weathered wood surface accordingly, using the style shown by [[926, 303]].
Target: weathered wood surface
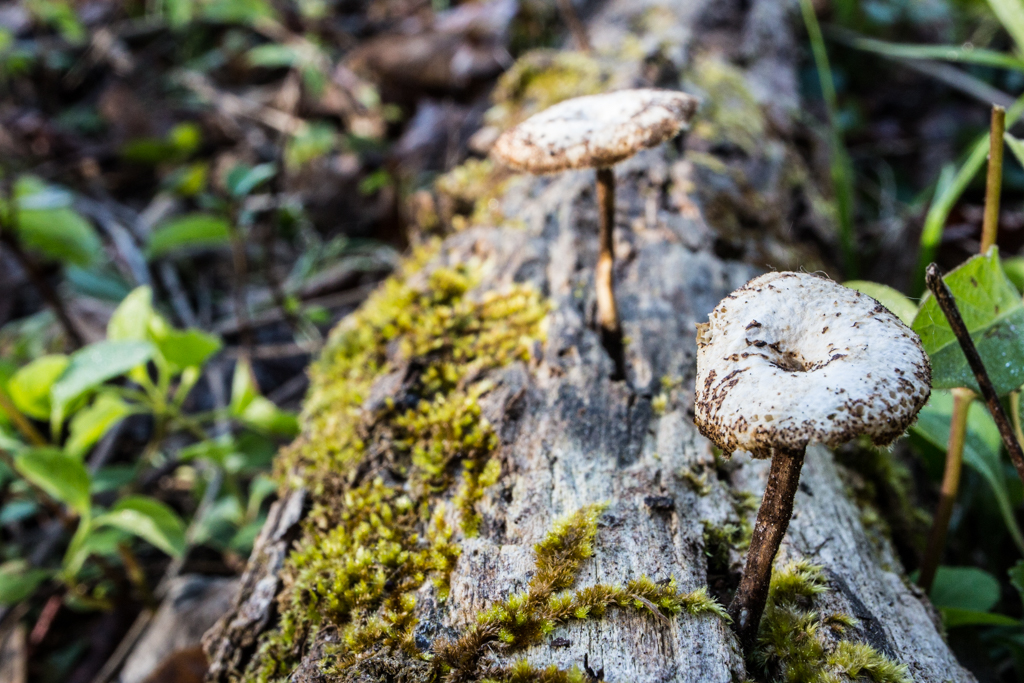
[[570, 436]]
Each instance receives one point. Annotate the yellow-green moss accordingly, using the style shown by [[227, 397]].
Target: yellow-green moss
[[792, 644], [380, 471], [729, 113], [470, 194], [540, 79], [525, 618]]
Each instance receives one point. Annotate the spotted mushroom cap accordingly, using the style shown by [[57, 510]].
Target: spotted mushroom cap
[[595, 131], [792, 359]]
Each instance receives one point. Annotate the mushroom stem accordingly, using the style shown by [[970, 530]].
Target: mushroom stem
[[772, 522], [607, 312]]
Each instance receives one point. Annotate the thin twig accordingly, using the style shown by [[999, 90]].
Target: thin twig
[[933, 278], [994, 183]]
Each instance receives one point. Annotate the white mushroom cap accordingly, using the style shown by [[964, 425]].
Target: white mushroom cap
[[791, 359], [595, 131]]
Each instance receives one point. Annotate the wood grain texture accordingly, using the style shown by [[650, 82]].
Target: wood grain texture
[[570, 436]]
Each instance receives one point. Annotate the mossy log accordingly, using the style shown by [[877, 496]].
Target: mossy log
[[473, 498]]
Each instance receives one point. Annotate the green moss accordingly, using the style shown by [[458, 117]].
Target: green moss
[[792, 644], [525, 618], [380, 473], [540, 79], [470, 194], [729, 113], [524, 672]]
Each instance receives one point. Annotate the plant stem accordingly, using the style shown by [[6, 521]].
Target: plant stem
[[962, 399], [994, 182], [772, 521], [948, 305], [21, 423], [607, 312], [572, 20]]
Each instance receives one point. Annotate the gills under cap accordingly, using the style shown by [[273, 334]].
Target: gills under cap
[[595, 131], [792, 359]]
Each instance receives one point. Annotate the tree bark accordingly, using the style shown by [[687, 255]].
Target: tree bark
[[570, 436]]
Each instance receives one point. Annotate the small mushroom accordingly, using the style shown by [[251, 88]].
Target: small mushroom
[[792, 359], [597, 131]]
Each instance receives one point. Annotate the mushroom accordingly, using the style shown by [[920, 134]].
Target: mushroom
[[597, 131], [792, 359]]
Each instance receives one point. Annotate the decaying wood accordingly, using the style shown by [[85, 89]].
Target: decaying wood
[[570, 436]]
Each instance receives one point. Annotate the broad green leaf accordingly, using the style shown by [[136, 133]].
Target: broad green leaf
[[148, 519], [18, 581], [130, 322], [952, 617], [61, 476], [967, 588], [30, 387], [993, 313], [194, 231], [1014, 269], [186, 348], [1016, 146], [243, 387], [244, 179], [92, 366], [52, 228], [261, 488], [982, 448], [112, 477], [898, 303], [89, 425], [245, 537], [262, 414]]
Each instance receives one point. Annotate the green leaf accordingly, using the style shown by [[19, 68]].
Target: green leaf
[[92, 366], [244, 179], [1011, 15], [1016, 574], [220, 523], [982, 448], [130, 321], [236, 11], [89, 425], [46, 224], [17, 510], [949, 53], [194, 231], [61, 476], [30, 387], [966, 588], [898, 303], [1014, 269], [18, 581], [274, 55], [185, 349], [262, 414], [952, 617], [243, 387], [1016, 146], [993, 313], [148, 519]]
